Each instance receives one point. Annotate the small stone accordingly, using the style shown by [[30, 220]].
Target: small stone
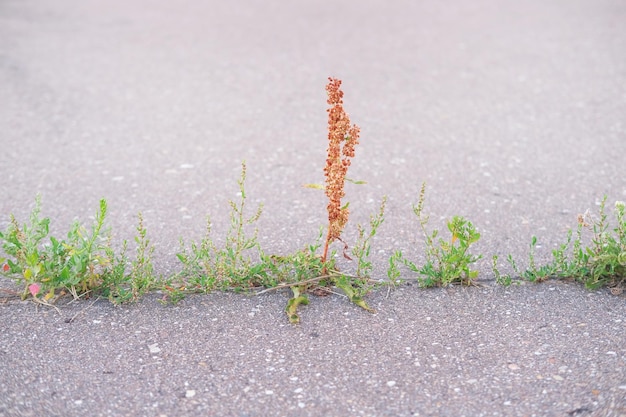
[[190, 393], [557, 377], [154, 348], [391, 383], [513, 367]]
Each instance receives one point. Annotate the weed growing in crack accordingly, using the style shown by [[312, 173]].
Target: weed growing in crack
[[356, 287], [325, 274], [447, 261], [362, 248], [207, 267], [503, 279], [83, 264], [604, 263], [75, 264], [24, 245], [120, 286], [601, 264], [298, 267], [303, 271], [342, 139]]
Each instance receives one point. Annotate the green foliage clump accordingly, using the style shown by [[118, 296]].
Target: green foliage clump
[[81, 264], [601, 264], [207, 267], [447, 261]]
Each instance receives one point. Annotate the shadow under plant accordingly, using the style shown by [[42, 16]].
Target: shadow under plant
[[84, 264]]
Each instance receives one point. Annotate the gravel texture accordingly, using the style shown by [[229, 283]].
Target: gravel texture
[[543, 350], [512, 112]]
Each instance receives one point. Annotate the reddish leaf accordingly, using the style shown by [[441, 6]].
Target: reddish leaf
[[34, 289]]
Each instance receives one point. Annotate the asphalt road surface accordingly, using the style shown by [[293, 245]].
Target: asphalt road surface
[[514, 113]]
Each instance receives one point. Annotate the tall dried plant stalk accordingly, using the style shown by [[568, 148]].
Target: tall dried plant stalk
[[342, 138]]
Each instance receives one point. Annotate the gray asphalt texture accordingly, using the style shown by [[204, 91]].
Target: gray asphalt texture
[[514, 113]]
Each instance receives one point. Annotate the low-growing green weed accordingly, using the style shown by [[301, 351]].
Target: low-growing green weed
[[122, 286], [603, 263], [75, 264], [503, 279], [358, 286], [81, 264], [207, 267], [447, 261]]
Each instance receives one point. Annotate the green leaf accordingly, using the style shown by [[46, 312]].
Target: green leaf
[[315, 186], [293, 303], [354, 298], [14, 268], [32, 259]]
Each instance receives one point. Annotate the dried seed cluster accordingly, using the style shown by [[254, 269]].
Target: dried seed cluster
[[342, 138]]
